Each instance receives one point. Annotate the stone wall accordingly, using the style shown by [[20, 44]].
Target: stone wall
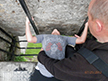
[[9, 71], [65, 15]]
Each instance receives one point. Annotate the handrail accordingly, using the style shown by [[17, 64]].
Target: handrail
[[13, 46], [27, 12], [6, 33]]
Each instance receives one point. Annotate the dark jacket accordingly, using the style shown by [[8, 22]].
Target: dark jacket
[[76, 68]]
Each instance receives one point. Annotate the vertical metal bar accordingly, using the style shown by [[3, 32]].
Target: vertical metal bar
[[25, 8], [12, 50], [82, 27]]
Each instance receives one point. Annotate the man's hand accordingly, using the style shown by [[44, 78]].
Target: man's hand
[[77, 36], [27, 20], [41, 49], [86, 25]]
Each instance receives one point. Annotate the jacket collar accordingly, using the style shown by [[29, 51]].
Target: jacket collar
[[93, 44]]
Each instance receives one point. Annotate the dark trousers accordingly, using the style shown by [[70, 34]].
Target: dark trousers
[[37, 76]]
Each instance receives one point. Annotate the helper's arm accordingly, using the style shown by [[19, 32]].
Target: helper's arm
[[82, 38], [30, 38]]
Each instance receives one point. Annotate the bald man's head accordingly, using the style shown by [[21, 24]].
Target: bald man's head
[[98, 9]]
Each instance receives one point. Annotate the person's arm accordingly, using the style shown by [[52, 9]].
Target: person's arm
[[82, 38], [69, 51], [30, 38], [68, 69]]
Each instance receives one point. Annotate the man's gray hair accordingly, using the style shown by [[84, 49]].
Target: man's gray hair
[[99, 10]]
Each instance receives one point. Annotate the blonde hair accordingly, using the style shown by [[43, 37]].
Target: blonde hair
[[99, 10]]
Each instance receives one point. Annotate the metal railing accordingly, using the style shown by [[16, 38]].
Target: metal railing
[[13, 46]]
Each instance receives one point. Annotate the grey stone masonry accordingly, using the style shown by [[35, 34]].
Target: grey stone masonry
[[65, 15], [9, 71]]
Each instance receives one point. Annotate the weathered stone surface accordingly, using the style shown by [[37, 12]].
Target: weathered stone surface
[[8, 71], [65, 15]]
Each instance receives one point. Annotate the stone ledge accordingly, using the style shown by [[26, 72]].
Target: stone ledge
[[8, 71]]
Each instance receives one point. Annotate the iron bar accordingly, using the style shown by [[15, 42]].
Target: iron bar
[[6, 33], [12, 50], [5, 51], [82, 27], [27, 55], [19, 54], [29, 47], [13, 46], [22, 41], [5, 40], [19, 47], [27, 12]]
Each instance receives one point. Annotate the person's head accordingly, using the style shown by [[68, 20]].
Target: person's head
[[98, 19]]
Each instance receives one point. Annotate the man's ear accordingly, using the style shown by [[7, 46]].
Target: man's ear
[[99, 25]]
